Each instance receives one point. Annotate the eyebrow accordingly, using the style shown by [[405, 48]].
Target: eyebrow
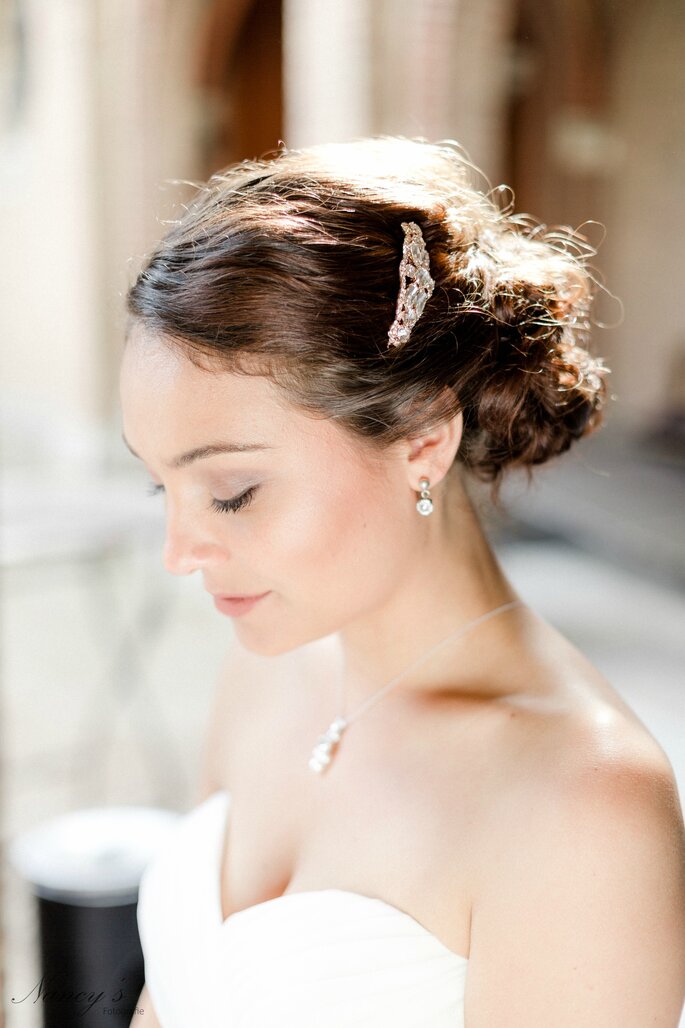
[[210, 450]]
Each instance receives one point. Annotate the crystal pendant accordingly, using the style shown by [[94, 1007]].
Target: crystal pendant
[[323, 751], [424, 506]]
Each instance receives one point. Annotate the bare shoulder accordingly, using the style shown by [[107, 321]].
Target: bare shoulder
[[591, 764], [597, 755], [580, 918], [612, 785]]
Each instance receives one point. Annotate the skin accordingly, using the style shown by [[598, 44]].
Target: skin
[[495, 763], [332, 531]]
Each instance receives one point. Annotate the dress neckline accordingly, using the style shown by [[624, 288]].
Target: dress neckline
[[325, 895]]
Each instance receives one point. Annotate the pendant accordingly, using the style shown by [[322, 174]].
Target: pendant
[[323, 751]]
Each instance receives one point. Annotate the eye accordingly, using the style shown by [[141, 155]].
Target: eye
[[235, 504], [223, 506]]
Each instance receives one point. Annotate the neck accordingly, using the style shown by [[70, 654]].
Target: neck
[[454, 578]]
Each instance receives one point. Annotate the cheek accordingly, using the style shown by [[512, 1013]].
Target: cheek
[[337, 536]]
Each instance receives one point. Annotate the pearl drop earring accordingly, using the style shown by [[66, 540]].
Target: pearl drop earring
[[425, 504]]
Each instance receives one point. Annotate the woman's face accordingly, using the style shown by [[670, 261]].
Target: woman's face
[[326, 529]]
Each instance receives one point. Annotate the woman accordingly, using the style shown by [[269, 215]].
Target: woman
[[440, 812]]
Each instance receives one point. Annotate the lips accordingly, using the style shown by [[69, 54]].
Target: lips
[[235, 606]]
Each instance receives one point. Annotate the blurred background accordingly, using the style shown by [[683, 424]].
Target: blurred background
[[109, 111]]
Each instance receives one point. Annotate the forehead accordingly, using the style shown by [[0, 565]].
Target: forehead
[[156, 371], [164, 394], [168, 404]]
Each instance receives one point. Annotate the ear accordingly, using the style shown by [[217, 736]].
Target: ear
[[432, 454]]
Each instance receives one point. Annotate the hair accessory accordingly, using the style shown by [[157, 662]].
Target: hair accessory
[[323, 752], [414, 267], [425, 504]]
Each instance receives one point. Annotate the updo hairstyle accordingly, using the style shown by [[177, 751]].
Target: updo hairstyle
[[289, 267]]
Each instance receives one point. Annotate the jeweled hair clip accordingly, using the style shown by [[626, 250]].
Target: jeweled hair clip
[[416, 284]]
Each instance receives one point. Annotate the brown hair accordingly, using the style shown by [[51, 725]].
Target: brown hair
[[290, 267]]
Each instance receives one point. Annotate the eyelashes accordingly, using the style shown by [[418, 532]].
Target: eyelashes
[[223, 506], [237, 503]]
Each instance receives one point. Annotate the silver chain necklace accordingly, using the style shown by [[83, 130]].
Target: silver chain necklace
[[323, 752]]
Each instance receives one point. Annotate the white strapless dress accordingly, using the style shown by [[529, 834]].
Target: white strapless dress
[[327, 957]]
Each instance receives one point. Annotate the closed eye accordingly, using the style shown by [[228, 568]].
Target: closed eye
[[236, 503], [223, 506]]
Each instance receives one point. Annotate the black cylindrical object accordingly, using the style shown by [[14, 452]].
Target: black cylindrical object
[[85, 868], [92, 964]]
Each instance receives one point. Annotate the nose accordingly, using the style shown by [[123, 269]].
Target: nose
[[190, 546]]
